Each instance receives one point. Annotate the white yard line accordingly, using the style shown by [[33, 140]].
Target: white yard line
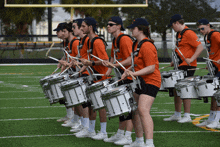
[[22, 98], [18, 119], [31, 107]]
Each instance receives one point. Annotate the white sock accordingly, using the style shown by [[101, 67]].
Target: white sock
[[217, 117], [141, 139], [103, 127], [187, 114], [76, 117], [128, 133], [81, 119], [121, 132], [69, 112], [86, 122], [92, 126], [210, 115], [213, 115], [149, 141], [177, 113]]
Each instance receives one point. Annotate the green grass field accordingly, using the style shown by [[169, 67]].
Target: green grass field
[[28, 120]]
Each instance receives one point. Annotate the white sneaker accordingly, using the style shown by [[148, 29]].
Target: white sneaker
[[172, 118], [68, 124], [79, 128], [204, 123], [150, 145], [63, 119], [85, 133], [76, 124], [100, 136], [126, 140], [114, 138], [185, 119], [213, 125], [136, 144]]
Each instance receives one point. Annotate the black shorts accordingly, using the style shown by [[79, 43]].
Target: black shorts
[[147, 89], [189, 73]]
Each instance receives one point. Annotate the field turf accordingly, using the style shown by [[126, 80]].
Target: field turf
[[28, 120]]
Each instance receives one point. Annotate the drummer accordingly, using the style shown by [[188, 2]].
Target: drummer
[[89, 27], [60, 34], [188, 48], [146, 67], [115, 26], [212, 37]]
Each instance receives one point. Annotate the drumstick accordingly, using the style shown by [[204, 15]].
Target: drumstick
[[74, 74], [164, 67], [115, 82], [102, 75], [182, 54], [55, 70], [210, 59], [125, 69], [196, 68], [53, 58], [109, 63], [50, 49], [64, 71]]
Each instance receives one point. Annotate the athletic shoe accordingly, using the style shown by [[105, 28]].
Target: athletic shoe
[[172, 118], [85, 133], [213, 125], [150, 145], [218, 127], [136, 144], [76, 124], [126, 140], [185, 119], [204, 123], [100, 136], [79, 128], [68, 124], [114, 138], [63, 119]]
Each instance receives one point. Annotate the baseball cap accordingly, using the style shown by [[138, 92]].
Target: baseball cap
[[78, 21], [117, 20], [91, 21], [203, 21], [138, 21], [60, 26], [174, 18]]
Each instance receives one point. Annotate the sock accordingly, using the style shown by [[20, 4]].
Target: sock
[[103, 127], [128, 133], [69, 112], [177, 113], [82, 121], [149, 141], [76, 117], [92, 126], [141, 139], [210, 115], [217, 117], [86, 122], [187, 114], [121, 132], [213, 115]]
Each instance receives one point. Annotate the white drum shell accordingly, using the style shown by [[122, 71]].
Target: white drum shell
[[188, 92], [172, 80]]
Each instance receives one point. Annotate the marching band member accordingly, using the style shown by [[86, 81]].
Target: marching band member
[[60, 34], [188, 48], [146, 67], [124, 44], [89, 27], [212, 40]]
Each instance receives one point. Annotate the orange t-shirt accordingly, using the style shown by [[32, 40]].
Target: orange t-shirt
[[74, 50], [83, 51], [214, 54], [148, 56], [188, 46], [99, 51]]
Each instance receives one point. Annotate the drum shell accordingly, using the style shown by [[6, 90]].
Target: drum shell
[[188, 91], [119, 101], [205, 89], [74, 92], [48, 94]]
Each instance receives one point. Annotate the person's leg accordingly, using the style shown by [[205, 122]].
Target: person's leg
[[215, 115]]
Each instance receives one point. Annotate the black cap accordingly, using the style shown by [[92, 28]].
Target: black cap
[[203, 22], [138, 21], [91, 21], [117, 20], [174, 18], [60, 26]]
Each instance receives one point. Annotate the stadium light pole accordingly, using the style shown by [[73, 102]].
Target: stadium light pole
[[49, 21]]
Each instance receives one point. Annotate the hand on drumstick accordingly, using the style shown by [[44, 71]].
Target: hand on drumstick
[[86, 62], [126, 74], [64, 63], [218, 61], [188, 61], [107, 64], [109, 71], [171, 64]]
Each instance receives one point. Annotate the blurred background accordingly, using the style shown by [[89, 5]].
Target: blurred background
[[26, 33]]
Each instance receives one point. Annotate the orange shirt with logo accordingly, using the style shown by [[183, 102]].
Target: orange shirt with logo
[[83, 51], [148, 56], [214, 54], [188, 46]]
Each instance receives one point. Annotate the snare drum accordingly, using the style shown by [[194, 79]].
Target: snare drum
[[94, 92], [55, 83], [207, 86], [217, 97], [162, 88], [119, 101], [170, 78], [74, 92], [48, 94]]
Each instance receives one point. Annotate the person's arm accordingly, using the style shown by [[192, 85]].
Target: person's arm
[[198, 51], [126, 62]]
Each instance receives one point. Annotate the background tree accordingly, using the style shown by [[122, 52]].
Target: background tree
[[100, 14], [158, 13]]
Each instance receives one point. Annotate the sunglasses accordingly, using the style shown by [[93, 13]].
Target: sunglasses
[[201, 29], [111, 24]]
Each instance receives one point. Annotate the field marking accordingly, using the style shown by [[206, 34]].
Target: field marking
[[22, 98], [19, 119], [19, 91], [196, 121], [31, 107]]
